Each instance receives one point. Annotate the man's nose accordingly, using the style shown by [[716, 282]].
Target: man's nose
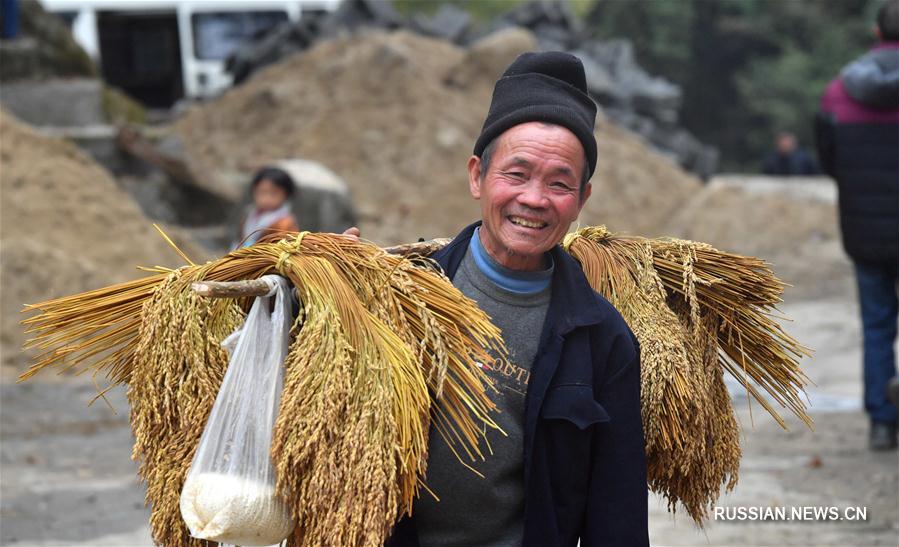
[[532, 196]]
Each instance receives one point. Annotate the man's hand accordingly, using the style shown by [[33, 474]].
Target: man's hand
[[352, 232]]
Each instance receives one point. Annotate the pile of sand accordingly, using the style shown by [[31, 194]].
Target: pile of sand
[[396, 116], [65, 227]]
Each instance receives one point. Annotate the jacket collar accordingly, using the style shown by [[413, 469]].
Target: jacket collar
[[572, 303]]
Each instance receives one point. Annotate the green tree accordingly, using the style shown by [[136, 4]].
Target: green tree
[[747, 67], [815, 40]]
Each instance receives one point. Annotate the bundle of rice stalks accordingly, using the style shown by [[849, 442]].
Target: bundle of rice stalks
[[696, 312], [378, 337], [176, 370], [377, 334]]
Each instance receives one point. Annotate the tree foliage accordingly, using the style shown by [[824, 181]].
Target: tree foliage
[[748, 68]]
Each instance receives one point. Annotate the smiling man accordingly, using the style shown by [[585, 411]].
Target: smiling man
[[531, 185], [571, 466]]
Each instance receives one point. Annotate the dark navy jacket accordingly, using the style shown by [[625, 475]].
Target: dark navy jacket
[[584, 459], [857, 132]]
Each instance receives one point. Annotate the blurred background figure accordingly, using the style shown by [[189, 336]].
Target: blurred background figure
[[858, 144], [788, 158], [271, 212]]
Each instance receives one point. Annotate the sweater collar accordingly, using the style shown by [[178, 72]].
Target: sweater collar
[[514, 281]]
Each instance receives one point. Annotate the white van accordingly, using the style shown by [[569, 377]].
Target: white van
[[159, 51]]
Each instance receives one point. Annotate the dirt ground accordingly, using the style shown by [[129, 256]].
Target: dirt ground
[[67, 478]]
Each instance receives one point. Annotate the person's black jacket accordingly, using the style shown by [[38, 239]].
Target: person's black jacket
[[797, 163], [857, 136], [584, 455]]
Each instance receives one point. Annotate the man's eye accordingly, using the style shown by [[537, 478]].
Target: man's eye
[[562, 186]]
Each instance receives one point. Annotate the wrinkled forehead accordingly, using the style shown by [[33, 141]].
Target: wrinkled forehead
[[546, 141]]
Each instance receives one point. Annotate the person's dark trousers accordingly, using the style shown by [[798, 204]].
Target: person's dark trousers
[[877, 286]]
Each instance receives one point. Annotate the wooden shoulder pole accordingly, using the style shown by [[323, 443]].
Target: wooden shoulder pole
[[231, 289], [258, 287]]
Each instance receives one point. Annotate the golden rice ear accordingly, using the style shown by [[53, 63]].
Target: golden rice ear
[[179, 366]]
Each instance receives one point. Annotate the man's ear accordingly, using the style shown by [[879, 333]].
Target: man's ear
[[584, 199], [474, 176]]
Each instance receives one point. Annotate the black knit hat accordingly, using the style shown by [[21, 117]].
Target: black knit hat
[[542, 87]]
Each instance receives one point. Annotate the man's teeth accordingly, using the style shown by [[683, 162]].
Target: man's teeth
[[526, 223]]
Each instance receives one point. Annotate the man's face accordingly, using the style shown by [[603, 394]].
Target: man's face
[[530, 193], [786, 143]]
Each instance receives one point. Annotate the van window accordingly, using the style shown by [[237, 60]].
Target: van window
[[218, 34]]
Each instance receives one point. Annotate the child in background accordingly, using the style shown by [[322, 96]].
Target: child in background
[[271, 213]]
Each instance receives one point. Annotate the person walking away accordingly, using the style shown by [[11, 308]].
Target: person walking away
[[857, 137]]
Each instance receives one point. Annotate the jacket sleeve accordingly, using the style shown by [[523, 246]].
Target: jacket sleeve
[[618, 494], [769, 165], [807, 164], [825, 137]]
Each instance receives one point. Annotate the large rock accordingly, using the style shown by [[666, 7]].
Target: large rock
[[449, 23], [629, 85], [322, 202], [552, 21], [600, 81], [56, 102]]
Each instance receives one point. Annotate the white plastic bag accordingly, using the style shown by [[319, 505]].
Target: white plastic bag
[[229, 493]]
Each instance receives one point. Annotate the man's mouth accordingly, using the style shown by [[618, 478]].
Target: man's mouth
[[519, 221]]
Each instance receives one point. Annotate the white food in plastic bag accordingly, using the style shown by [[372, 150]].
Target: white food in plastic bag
[[229, 492], [234, 510]]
